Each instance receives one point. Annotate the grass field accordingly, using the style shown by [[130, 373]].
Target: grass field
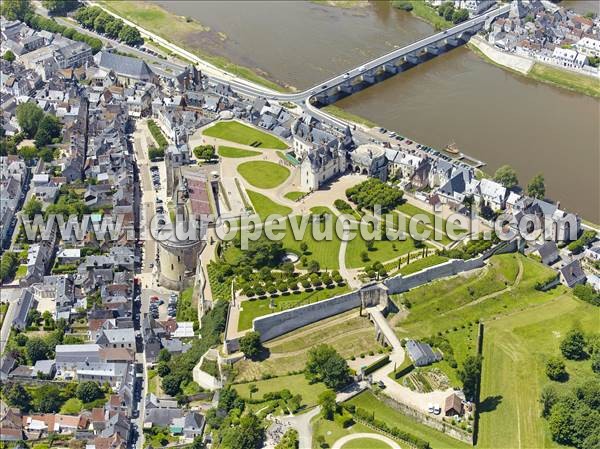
[[437, 440], [246, 135], [297, 384], [182, 32], [563, 78], [515, 350], [451, 303], [233, 152], [410, 210], [263, 174], [260, 307], [350, 334], [333, 431], [264, 206], [294, 196], [423, 263]]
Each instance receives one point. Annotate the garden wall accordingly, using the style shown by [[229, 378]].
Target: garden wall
[[430, 421], [276, 324], [399, 284]]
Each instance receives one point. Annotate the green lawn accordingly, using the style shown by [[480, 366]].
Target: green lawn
[[294, 196], [393, 418], [411, 210], [516, 348], [264, 206], [297, 384], [246, 135], [362, 443], [332, 431], [382, 251], [233, 152], [72, 407], [21, 271], [323, 251], [260, 307], [564, 78], [421, 264], [263, 174]]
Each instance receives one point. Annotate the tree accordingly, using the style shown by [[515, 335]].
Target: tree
[[29, 115], [17, 396], [15, 9], [88, 392], [114, 27], [171, 384], [303, 247], [9, 56], [48, 129], [60, 6], [548, 398], [248, 435], [460, 15], [164, 355], [250, 344], [205, 152], [313, 266], [469, 375], [537, 187], [596, 362], [573, 345], [289, 440], [163, 369], [328, 405], [48, 399], [507, 176], [27, 152], [555, 369], [130, 35], [325, 365], [32, 208], [37, 349]]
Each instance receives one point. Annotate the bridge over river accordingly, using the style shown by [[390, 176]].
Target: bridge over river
[[378, 69]]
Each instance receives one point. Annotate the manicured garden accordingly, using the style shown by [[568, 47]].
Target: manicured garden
[[264, 206], [263, 174], [246, 135], [294, 196], [233, 152]]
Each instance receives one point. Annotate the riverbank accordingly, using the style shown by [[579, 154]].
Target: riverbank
[[182, 31], [421, 10], [348, 116], [540, 72]]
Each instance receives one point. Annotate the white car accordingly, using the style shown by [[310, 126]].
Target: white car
[[437, 409]]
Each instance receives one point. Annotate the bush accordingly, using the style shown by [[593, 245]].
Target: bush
[[555, 369], [344, 419]]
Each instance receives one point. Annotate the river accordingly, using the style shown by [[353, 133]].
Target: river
[[491, 114]]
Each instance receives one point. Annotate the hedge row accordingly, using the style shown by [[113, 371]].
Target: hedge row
[[377, 364], [369, 417]]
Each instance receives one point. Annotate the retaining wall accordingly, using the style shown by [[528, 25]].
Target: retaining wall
[[276, 324]]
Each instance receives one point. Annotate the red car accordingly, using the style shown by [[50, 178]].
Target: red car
[[153, 298]]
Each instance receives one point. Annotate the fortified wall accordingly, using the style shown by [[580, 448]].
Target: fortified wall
[[277, 324]]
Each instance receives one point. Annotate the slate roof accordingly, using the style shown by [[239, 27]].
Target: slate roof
[[124, 65], [572, 273]]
